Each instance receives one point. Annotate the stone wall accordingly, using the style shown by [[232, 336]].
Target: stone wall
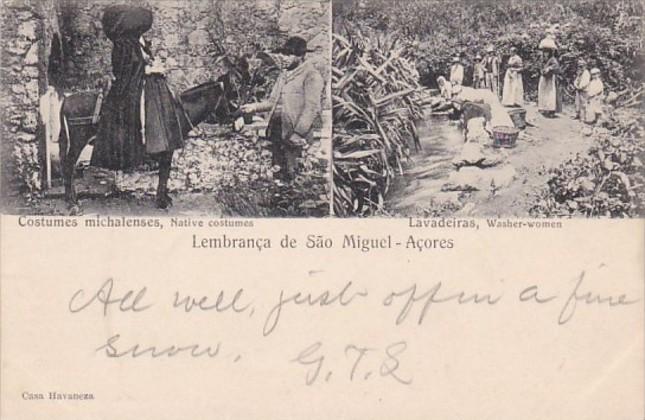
[[28, 28], [311, 20], [188, 35]]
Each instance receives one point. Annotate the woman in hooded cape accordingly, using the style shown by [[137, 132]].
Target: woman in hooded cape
[[140, 115]]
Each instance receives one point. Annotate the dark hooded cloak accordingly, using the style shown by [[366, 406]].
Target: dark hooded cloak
[[120, 143]]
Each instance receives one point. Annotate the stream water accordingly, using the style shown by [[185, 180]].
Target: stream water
[[441, 140]]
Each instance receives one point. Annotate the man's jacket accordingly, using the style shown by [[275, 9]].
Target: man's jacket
[[296, 97]]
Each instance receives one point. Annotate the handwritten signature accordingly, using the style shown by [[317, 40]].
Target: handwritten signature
[[363, 362]]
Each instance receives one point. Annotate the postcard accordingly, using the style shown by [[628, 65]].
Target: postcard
[[315, 209]]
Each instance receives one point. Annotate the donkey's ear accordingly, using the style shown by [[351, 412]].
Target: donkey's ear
[[216, 49], [225, 61], [266, 58], [243, 63], [243, 68]]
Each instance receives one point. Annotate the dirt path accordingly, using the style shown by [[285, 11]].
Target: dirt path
[[218, 173], [134, 205], [546, 144], [417, 193], [550, 142]]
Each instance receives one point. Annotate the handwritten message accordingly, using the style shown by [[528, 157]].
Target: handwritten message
[[279, 319], [412, 303]]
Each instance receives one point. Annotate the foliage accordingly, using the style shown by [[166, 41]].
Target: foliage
[[362, 174], [606, 34], [374, 109], [248, 187], [236, 167], [254, 75], [607, 181], [306, 196]]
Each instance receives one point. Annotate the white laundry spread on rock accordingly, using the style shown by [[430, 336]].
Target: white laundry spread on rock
[[499, 114]]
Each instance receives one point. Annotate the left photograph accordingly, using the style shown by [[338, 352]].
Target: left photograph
[[162, 107]]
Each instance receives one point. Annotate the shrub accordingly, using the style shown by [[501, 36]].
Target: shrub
[[608, 34], [374, 109]]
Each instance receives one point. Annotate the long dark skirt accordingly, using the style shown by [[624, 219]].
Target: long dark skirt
[[162, 131], [120, 142]]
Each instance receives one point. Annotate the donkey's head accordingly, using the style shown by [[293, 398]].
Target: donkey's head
[[203, 101], [220, 101], [235, 84], [247, 79]]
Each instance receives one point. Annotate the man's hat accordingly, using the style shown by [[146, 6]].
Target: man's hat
[[455, 59], [490, 49], [595, 71], [295, 45]]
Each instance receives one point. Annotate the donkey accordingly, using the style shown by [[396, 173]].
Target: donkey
[[213, 98]]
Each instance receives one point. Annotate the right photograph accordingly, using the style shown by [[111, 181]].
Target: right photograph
[[511, 108]]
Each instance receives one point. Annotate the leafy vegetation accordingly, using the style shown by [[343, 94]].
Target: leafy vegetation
[[607, 181], [608, 34], [374, 111], [237, 167]]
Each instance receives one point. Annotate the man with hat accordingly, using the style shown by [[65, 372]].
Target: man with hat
[[491, 70], [294, 106], [479, 81], [456, 72]]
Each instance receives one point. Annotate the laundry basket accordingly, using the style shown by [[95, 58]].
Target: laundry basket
[[518, 116], [505, 136]]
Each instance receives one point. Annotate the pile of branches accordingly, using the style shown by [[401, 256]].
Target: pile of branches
[[609, 181], [375, 106]]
